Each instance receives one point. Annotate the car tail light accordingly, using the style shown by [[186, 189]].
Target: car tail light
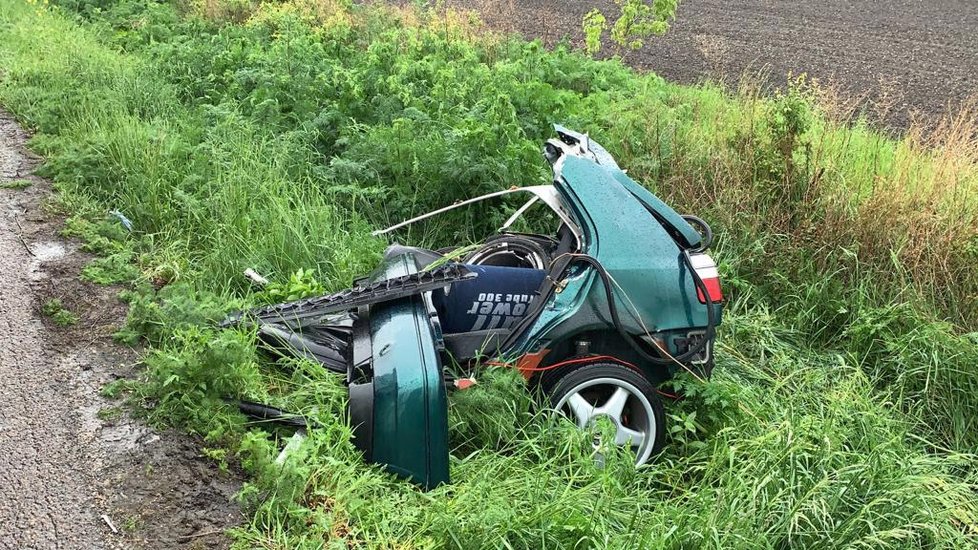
[[706, 268]]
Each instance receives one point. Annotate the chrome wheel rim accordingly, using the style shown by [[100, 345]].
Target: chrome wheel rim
[[620, 402]]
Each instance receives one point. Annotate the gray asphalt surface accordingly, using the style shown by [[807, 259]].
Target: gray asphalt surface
[[906, 55], [47, 490]]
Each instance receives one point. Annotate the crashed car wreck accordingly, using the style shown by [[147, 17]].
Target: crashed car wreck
[[620, 298]]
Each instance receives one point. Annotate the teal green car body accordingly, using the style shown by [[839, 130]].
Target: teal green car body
[[410, 420], [640, 257]]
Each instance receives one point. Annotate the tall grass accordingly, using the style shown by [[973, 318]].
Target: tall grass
[[204, 186], [276, 135]]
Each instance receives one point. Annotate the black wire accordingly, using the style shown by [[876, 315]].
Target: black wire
[[705, 230]]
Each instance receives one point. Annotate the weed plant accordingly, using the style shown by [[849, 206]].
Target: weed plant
[[15, 184], [58, 313], [276, 135]]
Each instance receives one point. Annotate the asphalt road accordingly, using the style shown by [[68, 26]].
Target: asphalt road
[[45, 472], [905, 56]]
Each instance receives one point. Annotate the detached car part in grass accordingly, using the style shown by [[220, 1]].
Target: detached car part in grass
[[597, 315]]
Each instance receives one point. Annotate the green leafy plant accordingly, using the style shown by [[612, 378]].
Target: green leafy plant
[[62, 316], [218, 455], [16, 184], [637, 21], [109, 414], [131, 524], [594, 25], [301, 284], [102, 237], [113, 269], [116, 388]]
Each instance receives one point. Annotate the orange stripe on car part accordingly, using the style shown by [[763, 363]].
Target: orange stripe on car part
[[529, 362]]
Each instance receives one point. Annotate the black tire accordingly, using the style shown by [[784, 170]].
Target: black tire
[[548, 379], [597, 383]]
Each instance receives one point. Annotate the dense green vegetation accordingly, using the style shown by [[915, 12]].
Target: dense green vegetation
[[275, 135]]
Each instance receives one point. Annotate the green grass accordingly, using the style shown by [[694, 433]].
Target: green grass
[[61, 315], [276, 136], [15, 184], [109, 414]]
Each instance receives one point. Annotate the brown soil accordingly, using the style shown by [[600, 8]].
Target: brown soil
[[905, 57], [71, 461]]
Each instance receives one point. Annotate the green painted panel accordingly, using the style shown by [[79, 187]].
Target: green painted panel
[[635, 250], [410, 433]]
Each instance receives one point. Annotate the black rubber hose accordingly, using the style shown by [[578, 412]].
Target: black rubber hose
[[705, 230], [262, 412]]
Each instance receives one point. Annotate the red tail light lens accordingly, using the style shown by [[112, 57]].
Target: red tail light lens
[[713, 289], [706, 268]]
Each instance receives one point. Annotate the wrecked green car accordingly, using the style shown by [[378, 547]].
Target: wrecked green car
[[617, 300]]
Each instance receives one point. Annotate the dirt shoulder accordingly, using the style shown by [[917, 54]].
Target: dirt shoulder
[[905, 56], [71, 461]]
